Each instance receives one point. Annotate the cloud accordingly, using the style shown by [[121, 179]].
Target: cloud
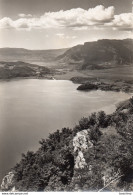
[[74, 37], [79, 17], [76, 19], [61, 35], [6, 23], [122, 22], [81, 28], [24, 15]]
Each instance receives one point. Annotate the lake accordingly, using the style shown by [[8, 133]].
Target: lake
[[30, 109]]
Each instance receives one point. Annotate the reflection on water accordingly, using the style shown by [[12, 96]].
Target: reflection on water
[[30, 109]]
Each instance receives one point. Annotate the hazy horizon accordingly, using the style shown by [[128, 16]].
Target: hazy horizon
[[59, 48]]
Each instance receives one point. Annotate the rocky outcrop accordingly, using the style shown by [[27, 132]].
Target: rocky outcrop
[[86, 166], [81, 143], [8, 182], [92, 168]]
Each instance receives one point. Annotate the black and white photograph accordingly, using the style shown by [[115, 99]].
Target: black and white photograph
[[66, 96]]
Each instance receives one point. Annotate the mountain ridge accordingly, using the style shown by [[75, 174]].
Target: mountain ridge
[[100, 54], [22, 54]]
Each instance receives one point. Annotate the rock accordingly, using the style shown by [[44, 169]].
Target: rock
[[125, 111], [8, 182], [88, 87], [81, 143], [13, 189], [80, 161]]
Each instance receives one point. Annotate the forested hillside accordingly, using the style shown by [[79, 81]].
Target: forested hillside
[[9, 70], [96, 155]]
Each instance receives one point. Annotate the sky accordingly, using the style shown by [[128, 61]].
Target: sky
[[53, 24]]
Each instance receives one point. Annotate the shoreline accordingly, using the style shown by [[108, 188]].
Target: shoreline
[[88, 84]]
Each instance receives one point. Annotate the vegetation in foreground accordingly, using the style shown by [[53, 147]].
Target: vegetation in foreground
[[52, 167]]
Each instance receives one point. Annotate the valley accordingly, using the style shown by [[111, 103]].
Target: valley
[[108, 61], [64, 97]]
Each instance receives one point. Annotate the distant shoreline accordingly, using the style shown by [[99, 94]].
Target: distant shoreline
[[86, 84]]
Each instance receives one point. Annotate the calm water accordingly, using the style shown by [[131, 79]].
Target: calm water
[[30, 109]]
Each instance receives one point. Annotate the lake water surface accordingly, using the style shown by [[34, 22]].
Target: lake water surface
[[30, 109]]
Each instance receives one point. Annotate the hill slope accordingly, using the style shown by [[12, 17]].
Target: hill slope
[[100, 54], [96, 155], [20, 54], [10, 70]]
